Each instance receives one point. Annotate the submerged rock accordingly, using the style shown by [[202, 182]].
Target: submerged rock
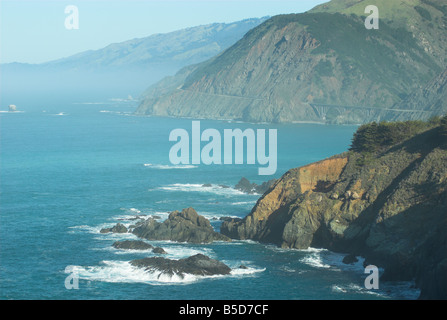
[[198, 264], [350, 259]]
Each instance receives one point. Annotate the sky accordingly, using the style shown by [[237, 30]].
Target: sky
[[36, 31]]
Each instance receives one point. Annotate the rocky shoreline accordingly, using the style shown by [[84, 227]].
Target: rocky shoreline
[[390, 207]]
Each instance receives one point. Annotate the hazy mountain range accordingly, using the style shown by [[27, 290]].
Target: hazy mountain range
[[126, 67]]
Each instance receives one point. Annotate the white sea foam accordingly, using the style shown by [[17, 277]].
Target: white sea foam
[[104, 236], [116, 236], [132, 214], [177, 251], [355, 288], [247, 271], [389, 289], [124, 272], [314, 259], [169, 167], [174, 250], [240, 203], [192, 187]]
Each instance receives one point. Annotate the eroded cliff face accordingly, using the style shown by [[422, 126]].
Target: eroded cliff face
[[273, 207], [391, 209]]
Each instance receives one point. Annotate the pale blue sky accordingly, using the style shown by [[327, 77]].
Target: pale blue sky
[[34, 31]]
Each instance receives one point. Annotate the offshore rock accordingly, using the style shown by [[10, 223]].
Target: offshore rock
[[118, 228], [132, 245], [246, 186], [198, 264], [159, 250], [184, 226]]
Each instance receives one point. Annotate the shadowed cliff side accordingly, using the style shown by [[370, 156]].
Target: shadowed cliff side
[[388, 205]]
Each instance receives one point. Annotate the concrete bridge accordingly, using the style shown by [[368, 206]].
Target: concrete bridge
[[321, 110]]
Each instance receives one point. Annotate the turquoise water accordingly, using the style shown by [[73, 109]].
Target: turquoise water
[[72, 170]]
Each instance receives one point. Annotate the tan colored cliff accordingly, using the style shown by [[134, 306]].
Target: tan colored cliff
[[296, 181]]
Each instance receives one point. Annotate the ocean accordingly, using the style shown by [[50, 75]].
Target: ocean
[[69, 169]]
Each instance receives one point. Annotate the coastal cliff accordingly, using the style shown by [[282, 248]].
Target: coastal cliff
[[385, 199]]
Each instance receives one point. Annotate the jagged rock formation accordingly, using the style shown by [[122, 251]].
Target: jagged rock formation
[[261, 226], [118, 228], [250, 187], [184, 226], [390, 207], [323, 65]]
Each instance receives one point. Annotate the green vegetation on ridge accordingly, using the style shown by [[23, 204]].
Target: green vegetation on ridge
[[373, 137]]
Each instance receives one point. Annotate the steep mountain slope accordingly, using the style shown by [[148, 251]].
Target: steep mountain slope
[[123, 68], [389, 206], [432, 99], [425, 19], [318, 66]]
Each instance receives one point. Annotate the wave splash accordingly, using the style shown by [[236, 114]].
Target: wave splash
[[124, 272], [207, 188]]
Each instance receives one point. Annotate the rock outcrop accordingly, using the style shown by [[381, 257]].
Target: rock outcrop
[[390, 207], [246, 186], [258, 225], [184, 226], [198, 264], [118, 228]]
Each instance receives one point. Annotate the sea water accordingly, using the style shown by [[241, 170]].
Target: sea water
[[68, 170]]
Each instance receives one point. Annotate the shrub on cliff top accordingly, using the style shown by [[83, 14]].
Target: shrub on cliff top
[[444, 126], [374, 137]]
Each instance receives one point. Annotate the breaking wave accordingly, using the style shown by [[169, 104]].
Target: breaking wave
[[207, 188], [124, 272]]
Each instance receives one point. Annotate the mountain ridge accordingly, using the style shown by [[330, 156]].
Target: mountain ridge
[[314, 66], [126, 67]]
